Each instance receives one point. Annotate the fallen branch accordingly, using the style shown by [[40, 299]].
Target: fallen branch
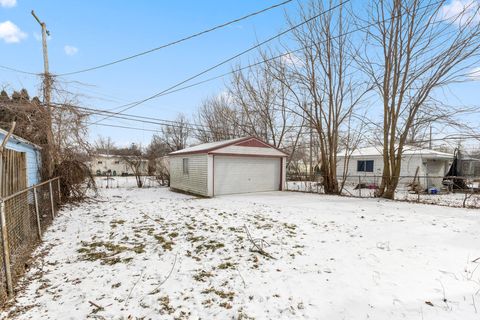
[[131, 290], [475, 260], [98, 307], [258, 244], [166, 278], [241, 277]]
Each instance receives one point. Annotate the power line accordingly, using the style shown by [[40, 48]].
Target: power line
[[223, 25], [257, 63], [19, 71], [138, 118], [198, 127], [134, 104]]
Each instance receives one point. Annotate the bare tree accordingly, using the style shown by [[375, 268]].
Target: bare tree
[[321, 83], [217, 120], [262, 102], [176, 135], [158, 165], [135, 158], [104, 145], [412, 48]]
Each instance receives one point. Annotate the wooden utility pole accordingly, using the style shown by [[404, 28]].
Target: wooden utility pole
[[47, 91], [46, 73]]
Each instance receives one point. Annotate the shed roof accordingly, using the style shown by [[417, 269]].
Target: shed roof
[[18, 139], [212, 146], [408, 150]]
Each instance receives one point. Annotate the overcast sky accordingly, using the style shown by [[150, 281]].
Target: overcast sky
[[89, 33]]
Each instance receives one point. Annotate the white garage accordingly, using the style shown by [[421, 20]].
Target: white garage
[[227, 167]]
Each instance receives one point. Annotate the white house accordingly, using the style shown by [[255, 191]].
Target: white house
[[226, 167], [103, 164], [366, 165]]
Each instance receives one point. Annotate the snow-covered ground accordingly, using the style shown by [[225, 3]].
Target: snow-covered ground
[[160, 255]]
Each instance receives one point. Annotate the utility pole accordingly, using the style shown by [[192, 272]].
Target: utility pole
[[47, 89], [46, 73]]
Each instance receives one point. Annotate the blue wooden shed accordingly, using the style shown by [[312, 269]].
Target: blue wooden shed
[[32, 153]]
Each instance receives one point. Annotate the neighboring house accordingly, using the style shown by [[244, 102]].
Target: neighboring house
[[115, 165], [470, 167], [24, 158], [366, 165], [227, 167]]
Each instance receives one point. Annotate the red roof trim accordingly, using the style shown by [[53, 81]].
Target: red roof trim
[[226, 144], [252, 143]]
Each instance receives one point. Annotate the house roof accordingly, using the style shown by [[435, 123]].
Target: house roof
[[408, 150], [18, 139], [212, 146]]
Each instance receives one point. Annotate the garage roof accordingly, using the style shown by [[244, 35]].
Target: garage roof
[[212, 147]]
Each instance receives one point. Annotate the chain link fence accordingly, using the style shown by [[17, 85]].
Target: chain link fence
[[448, 191], [24, 217]]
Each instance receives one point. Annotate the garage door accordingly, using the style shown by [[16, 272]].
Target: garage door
[[245, 174]]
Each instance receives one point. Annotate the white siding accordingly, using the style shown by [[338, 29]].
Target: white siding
[[352, 173], [115, 164], [196, 181], [246, 174], [255, 151], [410, 163]]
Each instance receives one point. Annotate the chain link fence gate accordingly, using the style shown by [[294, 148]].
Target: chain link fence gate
[[24, 217]]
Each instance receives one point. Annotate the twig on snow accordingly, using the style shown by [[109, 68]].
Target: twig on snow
[[134, 285], [474, 305], [476, 260], [166, 278], [243, 280], [97, 306], [257, 245]]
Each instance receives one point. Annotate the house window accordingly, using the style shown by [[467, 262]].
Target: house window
[[99, 162], [365, 166], [185, 166]]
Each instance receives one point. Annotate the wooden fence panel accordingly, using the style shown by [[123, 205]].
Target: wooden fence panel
[[14, 172]]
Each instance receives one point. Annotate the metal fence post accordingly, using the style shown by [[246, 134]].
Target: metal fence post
[[51, 198], [6, 248], [37, 212], [59, 193], [359, 186]]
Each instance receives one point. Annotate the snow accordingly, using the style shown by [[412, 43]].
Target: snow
[[157, 254]]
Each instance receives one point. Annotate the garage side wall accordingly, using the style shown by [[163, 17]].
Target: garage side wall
[[196, 181]]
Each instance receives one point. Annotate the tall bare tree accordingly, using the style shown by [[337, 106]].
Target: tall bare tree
[[321, 82], [262, 103], [135, 159], [217, 119], [413, 48], [177, 134], [104, 145]]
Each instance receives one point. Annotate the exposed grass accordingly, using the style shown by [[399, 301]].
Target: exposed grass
[[106, 252]]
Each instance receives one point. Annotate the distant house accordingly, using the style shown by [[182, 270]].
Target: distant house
[[366, 164], [22, 160], [226, 167], [115, 165]]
